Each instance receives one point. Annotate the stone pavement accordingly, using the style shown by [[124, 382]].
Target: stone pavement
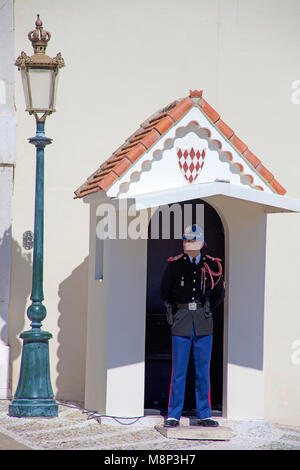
[[7, 443], [78, 429]]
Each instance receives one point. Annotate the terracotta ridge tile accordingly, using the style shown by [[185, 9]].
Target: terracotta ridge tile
[[115, 159], [170, 106], [151, 126], [108, 180], [238, 143], [224, 128], [164, 124], [159, 117], [80, 188], [160, 113], [277, 187], [95, 184], [107, 172], [123, 146], [95, 180], [88, 180], [86, 192], [95, 175], [208, 110], [113, 164], [148, 139], [180, 109], [128, 147], [161, 125], [121, 166], [133, 152], [127, 142], [142, 133], [163, 111], [98, 184], [264, 172], [251, 158]]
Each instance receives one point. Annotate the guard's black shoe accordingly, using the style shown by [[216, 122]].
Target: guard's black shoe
[[171, 423], [207, 422]]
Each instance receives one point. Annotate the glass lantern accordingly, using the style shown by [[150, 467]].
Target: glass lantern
[[39, 74]]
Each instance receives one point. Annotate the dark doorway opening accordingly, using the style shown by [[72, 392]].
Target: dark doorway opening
[[158, 348]]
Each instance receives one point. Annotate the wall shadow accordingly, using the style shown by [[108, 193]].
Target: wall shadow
[[20, 290], [72, 322], [5, 255]]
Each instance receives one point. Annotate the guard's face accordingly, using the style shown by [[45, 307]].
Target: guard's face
[[192, 245]]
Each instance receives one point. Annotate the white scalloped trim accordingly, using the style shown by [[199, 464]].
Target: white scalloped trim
[[134, 175]]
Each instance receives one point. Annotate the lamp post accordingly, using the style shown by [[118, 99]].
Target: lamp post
[[34, 394]]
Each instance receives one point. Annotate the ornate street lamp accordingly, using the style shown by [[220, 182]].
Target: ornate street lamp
[[34, 394]]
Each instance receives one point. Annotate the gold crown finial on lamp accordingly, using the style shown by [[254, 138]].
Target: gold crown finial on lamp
[[39, 37]]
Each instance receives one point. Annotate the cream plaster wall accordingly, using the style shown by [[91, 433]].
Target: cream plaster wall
[[7, 159], [125, 60]]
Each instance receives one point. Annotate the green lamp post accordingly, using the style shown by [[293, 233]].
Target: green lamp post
[[34, 394]]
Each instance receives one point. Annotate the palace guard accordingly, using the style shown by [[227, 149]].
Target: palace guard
[[192, 287]]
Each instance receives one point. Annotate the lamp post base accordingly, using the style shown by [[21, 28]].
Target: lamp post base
[[34, 394], [33, 408]]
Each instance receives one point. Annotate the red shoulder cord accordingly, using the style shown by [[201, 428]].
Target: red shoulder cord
[[206, 269]]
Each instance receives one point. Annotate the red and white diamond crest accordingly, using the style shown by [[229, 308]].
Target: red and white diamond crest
[[190, 162]]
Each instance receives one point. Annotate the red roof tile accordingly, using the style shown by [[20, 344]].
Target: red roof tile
[[153, 128], [264, 172], [226, 130], [277, 187], [252, 159], [209, 111], [238, 143]]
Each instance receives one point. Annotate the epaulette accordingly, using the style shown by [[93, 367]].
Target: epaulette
[[175, 258]]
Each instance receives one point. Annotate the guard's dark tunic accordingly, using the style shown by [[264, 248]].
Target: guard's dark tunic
[[181, 284]]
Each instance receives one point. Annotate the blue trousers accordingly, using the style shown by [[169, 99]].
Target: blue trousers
[[181, 348]]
